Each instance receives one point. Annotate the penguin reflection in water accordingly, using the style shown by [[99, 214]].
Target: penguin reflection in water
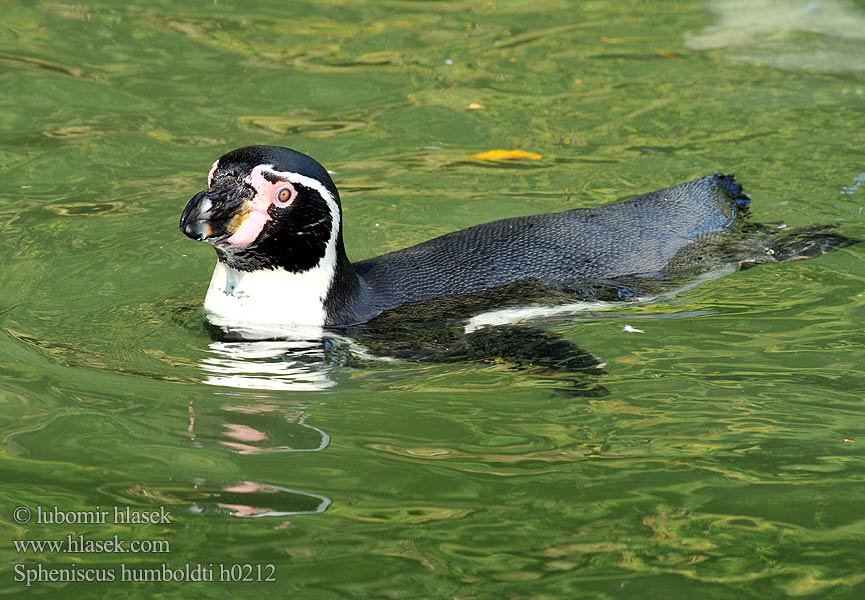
[[274, 217]]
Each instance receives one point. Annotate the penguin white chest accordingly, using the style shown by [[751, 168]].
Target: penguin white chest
[[271, 297]]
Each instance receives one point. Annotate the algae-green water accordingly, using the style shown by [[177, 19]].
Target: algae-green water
[[726, 459]]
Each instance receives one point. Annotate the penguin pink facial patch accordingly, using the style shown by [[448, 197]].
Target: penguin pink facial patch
[[249, 228], [250, 224]]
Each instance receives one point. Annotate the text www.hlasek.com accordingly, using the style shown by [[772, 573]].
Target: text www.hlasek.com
[[80, 544]]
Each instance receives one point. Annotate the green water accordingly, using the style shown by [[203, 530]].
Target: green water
[[727, 460]]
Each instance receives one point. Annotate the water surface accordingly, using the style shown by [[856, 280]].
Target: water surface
[[726, 460]]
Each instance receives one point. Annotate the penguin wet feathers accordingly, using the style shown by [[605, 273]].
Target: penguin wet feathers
[[274, 217]]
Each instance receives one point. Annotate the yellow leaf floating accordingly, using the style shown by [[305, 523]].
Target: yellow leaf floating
[[506, 155]]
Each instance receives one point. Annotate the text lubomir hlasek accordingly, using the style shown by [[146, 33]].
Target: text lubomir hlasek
[[118, 515]]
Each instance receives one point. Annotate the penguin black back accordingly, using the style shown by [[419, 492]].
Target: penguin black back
[[636, 238]]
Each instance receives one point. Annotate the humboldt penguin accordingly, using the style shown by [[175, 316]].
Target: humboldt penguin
[[274, 217]]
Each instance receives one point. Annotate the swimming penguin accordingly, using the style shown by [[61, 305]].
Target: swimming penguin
[[274, 217]]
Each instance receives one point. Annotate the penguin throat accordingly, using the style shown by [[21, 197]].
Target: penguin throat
[[270, 300]]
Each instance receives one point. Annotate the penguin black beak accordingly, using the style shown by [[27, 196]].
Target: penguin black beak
[[209, 214], [195, 221]]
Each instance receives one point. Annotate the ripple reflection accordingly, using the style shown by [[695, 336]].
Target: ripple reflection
[[236, 498], [293, 365], [255, 429]]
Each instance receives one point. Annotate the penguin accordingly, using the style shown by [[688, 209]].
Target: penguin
[[274, 217]]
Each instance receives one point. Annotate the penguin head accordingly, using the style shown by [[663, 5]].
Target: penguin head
[[266, 207]]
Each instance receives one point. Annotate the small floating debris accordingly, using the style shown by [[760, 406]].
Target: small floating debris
[[506, 155], [629, 329]]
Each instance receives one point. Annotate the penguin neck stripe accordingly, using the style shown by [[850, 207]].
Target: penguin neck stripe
[[212, 173], [327, 264]]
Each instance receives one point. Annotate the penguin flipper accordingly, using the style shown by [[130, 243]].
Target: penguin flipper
[[536, 352], [539, 353], [527, 347]]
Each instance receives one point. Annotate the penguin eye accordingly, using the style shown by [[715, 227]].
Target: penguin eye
[[285, 195]]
